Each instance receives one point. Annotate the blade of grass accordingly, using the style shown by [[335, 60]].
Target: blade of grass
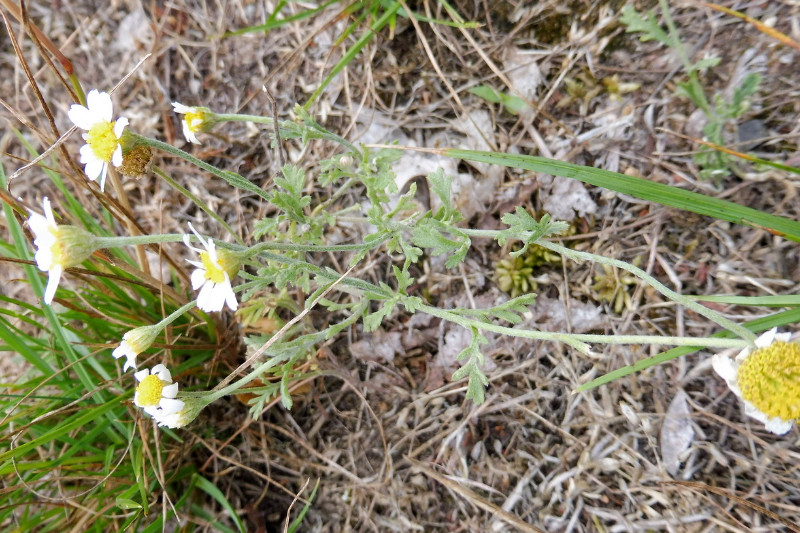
[[633, 186], [212, 490], [354, 51], [80, 419], [274, 22], [428, 20]]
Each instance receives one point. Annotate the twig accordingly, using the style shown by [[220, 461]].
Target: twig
[[281, 155]]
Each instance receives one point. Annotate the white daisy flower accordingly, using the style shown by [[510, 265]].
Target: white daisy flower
[[213, 275], [195, 120], [767, 378], [102, 134], [180, 418], [156, 393], [57, 247], [133, 343]]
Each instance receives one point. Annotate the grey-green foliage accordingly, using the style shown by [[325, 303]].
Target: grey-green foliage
[[522, 226], [398, 225], [473, 367], [720, 111]]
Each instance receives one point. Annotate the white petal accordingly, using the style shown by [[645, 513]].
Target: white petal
[[230, 296], [100, 105], [124, 349], [116, 157], [94, 168], [119, 126], [48, 211], [205, 300], [231, 301], [172, 421], [52, 283], [180, 108], [169, 407], [151, 410], [170, 391], [141, 374], [38, 224], [212, 253], [743, 355], [727, 370], [217, 298], [724, 366], [198, 278], [774, 425], [161, 371], [81, 117], [766, 338], [130, 362], [189, 134], [778, 426], [44, 257], [87, 154], [199, 237], [103, 175]]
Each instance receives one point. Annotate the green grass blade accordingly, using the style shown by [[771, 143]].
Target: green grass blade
[[83, 418], [297, 522], [640, 188], [354, 51], [422, 18], [212, 490], [274, 22]]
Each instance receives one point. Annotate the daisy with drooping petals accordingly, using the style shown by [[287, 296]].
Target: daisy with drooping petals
[[102, 134], [213, 275], [57, 246], [156, 393], [135, 342], [195, 120], [192, 406], [767, 378]]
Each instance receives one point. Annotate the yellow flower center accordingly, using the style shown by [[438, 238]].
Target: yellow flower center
[[770, 379], [214, 273], [102, 140], [194, 121], [149, 391]]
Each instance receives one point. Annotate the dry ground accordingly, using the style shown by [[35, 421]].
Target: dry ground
[[394, 444]]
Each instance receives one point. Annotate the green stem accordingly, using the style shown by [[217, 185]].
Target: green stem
[[236, 180], [234, 387], [166, 321], [570, 338], [308, 130], [135, 240], [197, 201], [675, 39], [117, 242], [235, 117], [265, 246]]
